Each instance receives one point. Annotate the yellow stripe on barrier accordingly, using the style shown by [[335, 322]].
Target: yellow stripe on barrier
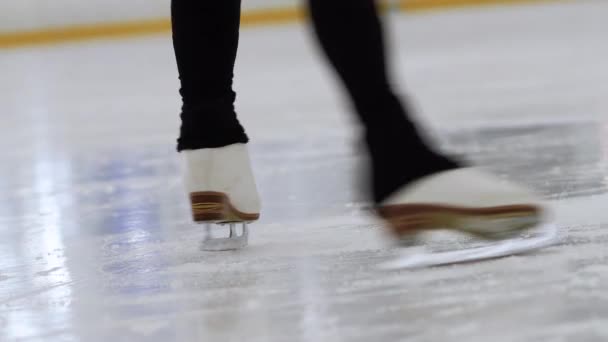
[[163, 25], [84, 32], [427, 5], [272, 16]]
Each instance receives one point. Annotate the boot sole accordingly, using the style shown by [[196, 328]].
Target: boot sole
[[488, 223], [215, 207]]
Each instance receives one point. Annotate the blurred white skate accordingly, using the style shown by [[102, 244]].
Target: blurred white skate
[[468, 201], [222, 191]]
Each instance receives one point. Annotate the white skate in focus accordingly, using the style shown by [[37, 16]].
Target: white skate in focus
[[469, 201], [222, 191]]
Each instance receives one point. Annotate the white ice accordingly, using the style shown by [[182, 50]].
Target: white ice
[[96, 242]]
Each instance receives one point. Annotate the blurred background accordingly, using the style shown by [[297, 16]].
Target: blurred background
[[96, 241]]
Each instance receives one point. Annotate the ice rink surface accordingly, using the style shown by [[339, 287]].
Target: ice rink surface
[[96, 242]]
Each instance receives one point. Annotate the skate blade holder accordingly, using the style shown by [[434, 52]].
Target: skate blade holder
[[232, 242], [416, 254]]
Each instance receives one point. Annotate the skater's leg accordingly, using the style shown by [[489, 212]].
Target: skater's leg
[[415, 188], [205, 38], [350, 34], [218, 175]]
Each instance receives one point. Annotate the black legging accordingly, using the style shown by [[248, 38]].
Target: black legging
[[205, 36]]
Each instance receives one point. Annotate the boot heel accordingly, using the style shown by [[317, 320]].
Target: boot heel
[[209, 206]]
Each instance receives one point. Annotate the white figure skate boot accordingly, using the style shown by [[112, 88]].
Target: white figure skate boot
[[469, 201], [222, 190]]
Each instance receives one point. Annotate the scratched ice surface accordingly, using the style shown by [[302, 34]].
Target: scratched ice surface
[[96, 242]]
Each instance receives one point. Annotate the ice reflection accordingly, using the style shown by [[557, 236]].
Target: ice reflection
[[45, 282]]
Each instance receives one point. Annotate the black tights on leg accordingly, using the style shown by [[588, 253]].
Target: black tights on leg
[[205, 39], [350, 34]]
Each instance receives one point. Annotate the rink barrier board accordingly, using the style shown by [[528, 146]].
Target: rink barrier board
[[249, 18]]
